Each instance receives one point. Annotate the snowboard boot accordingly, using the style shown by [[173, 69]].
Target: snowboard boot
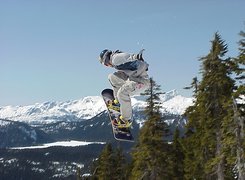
[[120, 122], [114, 105]]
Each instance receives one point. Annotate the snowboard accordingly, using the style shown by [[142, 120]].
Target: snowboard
[[121, 134]]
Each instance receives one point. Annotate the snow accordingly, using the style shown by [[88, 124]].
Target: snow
[[38, 170], [84, 108], [241, 100], [170, 121], [49, 112], [71, 143], [172, 103], [79, 165], [177, 105], [86, 175], [4, 123]]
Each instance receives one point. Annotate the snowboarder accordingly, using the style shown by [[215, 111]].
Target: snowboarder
[[131, 78]]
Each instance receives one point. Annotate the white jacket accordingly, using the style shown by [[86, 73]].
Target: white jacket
[[135, 69]]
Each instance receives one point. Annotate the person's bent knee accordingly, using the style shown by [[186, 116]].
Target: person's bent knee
[[110, 76]]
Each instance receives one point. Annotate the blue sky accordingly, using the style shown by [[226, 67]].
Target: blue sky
[[49, 48]]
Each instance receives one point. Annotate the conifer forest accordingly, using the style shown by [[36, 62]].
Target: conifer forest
[[213, 145]]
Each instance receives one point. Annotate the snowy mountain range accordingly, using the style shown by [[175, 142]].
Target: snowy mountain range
[[85, 108], [52, 139]]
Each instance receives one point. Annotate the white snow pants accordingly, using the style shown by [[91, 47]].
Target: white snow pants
[[124, 88]]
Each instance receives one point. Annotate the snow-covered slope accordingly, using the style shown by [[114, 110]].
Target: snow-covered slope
[[70, 143], [85, 108]]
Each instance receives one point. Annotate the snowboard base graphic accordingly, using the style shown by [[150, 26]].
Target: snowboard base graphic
[[121, 134]]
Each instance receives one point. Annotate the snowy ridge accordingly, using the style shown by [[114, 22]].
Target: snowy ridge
[[172, 103], [85, 108], [48, 112]]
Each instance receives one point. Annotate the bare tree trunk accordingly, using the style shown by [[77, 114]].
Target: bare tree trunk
[[240, 152], [220, 165], [240, 139]]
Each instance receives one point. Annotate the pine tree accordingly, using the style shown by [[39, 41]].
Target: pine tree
[[150, 154], [194, 85], [105, 163], [177, 157], [111, 164], [79, 176], [239, 112], [234, 123], [240, 62], [208, 115], [120, 166], [193, 149]]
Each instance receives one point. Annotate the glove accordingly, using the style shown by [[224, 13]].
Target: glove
[[139, 85], [139, 56]]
